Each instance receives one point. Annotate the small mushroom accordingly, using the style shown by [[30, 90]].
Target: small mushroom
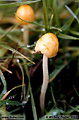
[[25, 12], [48, 45]]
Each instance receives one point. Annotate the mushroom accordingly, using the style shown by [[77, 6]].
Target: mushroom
[[25, 12], [48, 45]]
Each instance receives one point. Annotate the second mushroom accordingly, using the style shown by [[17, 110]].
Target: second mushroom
[[26, 13], [48, 45]]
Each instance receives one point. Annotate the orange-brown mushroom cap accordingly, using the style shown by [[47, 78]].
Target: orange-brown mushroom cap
[[25, 12], [48, 45]]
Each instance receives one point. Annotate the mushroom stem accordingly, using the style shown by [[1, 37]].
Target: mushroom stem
[[45, 84], [25, 34]]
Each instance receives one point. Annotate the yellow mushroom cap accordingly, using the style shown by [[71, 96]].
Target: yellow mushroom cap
[[25, 12], [48, 45]]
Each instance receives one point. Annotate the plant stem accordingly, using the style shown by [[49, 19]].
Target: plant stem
[[53, 98], [26, 34], [31, 94], [56, 12], [45, 15], [45, 84]]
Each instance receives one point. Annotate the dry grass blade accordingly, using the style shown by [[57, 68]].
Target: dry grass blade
[[5, 69], [4, 97], [15, 51]]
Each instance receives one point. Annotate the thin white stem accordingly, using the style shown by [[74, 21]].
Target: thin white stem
[[45, 84], [26, 34]]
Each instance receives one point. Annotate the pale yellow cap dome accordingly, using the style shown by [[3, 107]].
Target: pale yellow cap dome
[[48, 45]]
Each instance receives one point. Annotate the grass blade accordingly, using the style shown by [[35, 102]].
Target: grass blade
[[74, 32], [76, 91], [23, 87], [8, 102], [15, 51], [17, 4], [4, 84], [69, 22], [57, 71], [45, 15], [4, 97], [68, 37], [56, 12], [32, 99], [2, 67], [62, 66], [67, 25], [6, 33], [53, 98], [72, 13], [35, 23]]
